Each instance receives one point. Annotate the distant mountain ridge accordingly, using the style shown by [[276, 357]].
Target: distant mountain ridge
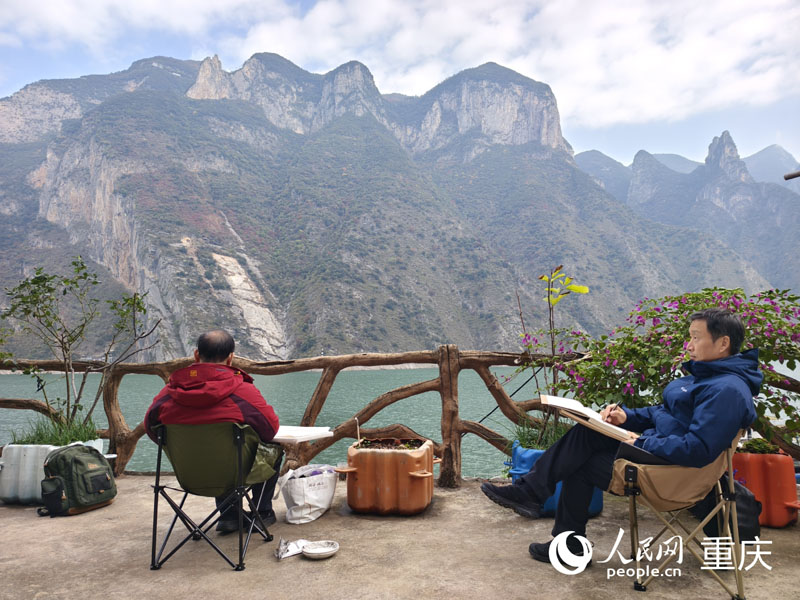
[[311, 213], [719, 197]]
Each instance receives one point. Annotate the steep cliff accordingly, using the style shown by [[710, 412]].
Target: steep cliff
[[38, 110], [489, 104]]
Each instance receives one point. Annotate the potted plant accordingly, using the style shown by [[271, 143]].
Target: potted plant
[[767, 472], [389, 476], [57, 311]]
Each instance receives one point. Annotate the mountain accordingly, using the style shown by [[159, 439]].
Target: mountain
[[771, 164], [676, 162], [309, 212], [721, 199], [609, 174]]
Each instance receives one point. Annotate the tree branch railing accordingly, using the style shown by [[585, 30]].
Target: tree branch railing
[[449, 359]]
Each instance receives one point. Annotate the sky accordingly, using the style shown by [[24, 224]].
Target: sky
[[663, 76]]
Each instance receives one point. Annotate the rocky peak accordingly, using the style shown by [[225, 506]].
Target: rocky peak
[[493, 104], [645, 171], [212, 82], [349, 88], [723, 156]]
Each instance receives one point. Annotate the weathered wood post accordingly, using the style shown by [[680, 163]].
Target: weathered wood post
[[118, 430], [121, 438], [450, 469]]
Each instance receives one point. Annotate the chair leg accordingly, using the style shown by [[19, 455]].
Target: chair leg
[[153, 564], [156, 493], [634, 520], [733, 523]]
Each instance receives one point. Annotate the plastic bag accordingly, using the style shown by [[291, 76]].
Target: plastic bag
[[308, 492]]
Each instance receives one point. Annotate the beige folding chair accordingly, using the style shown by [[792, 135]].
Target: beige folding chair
[[668, 490]]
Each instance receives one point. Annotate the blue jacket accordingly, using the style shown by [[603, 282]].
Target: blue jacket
[[702, 412]]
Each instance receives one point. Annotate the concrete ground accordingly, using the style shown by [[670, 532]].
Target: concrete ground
[[462, 546]]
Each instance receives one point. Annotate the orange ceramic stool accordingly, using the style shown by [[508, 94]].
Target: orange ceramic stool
[[395, 481], [771, 479]]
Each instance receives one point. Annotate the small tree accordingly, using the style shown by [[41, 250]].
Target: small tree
[[639, 359], [57, 310], [558, 286]]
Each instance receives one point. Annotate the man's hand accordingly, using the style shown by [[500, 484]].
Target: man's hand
[[632, 437], [613, 414]]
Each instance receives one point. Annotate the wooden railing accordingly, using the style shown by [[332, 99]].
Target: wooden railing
[[450, 360]]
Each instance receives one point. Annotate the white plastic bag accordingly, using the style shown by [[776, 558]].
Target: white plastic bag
[[308, 492]]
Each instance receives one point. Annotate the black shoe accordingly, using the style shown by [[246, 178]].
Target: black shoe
[[227, 526], [541, 552], [268, 517], [513, 497]]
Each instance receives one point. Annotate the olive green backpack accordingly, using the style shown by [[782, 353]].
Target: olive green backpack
[[77, 479]]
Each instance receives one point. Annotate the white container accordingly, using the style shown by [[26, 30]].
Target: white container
[[22, 471]]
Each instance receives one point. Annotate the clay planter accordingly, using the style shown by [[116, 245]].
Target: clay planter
[[389, 481], [771, 479]]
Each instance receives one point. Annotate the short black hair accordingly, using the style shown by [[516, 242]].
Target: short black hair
[[215, 346], [719, 322]]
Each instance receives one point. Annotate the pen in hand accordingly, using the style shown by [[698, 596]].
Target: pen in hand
[[611, 408]]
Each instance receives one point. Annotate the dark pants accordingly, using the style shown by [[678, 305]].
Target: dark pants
[[264, 505], [582, 460]]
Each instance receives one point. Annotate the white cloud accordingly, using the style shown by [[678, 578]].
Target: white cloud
[[607, 62]]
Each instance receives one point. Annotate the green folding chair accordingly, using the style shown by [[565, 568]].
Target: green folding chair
[[215, 460]]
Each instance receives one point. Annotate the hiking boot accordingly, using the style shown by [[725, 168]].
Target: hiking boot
[[541, 552], [514, 497]]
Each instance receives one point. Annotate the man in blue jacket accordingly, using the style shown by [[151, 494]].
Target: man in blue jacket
[[699, 418]]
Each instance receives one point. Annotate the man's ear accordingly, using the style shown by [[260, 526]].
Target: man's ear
[[196, 356], [725, 344], [229, 360]]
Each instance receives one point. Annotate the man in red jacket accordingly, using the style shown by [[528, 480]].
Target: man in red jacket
[[212, 391]]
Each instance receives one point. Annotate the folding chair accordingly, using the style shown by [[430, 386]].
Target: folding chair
[[220, 459], [668, 490]]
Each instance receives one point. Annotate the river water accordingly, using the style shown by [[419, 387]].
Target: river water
[[289, 395]]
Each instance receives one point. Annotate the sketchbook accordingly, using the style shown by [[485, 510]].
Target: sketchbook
[[294, 433], [585, 416]]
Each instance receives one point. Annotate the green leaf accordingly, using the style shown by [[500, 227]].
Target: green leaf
[[578, 289]]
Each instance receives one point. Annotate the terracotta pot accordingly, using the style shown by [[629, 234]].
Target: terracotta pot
[[396, 481], [771, 479]]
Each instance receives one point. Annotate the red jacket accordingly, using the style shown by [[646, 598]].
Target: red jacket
[[205, 393]]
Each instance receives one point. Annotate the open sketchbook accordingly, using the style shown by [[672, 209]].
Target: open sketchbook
[[294, 433], [586, 416], [581, 414]]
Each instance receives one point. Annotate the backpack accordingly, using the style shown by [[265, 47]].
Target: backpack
[[748, 510], [77, 479]]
